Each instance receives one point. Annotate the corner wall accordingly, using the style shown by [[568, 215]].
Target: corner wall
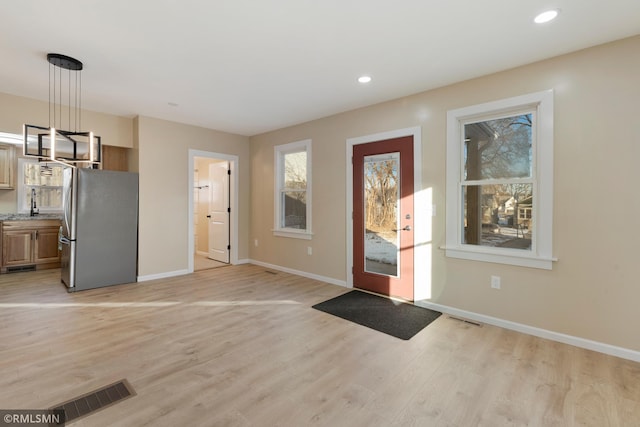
[[163, 164], [592, 291], [15, 111]]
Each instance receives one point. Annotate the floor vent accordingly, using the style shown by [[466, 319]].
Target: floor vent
[[471, 322], [19, 268], [96, 400]]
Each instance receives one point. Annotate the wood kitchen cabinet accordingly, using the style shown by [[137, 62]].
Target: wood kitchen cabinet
[[115, 158], [30, 244], [7, 160]]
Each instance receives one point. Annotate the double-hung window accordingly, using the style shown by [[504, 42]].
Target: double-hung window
[[500, 181], [293, 190], [39, 184]]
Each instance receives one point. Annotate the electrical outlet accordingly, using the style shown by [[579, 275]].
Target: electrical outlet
[[495, 282], [255, 242], [309, 250]]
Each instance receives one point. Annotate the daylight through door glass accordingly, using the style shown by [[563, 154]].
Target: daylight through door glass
[[381, 213]]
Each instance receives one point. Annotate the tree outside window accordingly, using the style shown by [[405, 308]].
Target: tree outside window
[[500, 181], [293, 190], [497, 179]]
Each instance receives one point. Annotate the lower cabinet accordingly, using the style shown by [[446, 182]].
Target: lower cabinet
[[30, 244]]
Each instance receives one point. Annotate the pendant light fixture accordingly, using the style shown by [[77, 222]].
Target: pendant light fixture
[[63, 141]]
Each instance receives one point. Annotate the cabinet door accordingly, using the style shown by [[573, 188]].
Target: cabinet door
[[115, 158], [46, 246], [6, 166], [17, 248]]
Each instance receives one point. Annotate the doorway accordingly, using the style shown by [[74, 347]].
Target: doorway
[[213, 213], [383, 216]]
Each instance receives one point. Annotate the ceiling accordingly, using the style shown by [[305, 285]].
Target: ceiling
[[250, 66]]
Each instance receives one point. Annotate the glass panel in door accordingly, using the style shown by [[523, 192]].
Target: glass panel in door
[[381, 214]]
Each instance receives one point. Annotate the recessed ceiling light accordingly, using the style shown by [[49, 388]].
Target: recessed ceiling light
[[547, 16], [364, 79]]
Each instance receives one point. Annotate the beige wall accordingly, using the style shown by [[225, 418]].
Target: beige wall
[[592, 291], [16, 111], [160, 155], [163, 163]]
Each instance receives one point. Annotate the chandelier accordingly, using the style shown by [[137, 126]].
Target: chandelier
[[63, 141]]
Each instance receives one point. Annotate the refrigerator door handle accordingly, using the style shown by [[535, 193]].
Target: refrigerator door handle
[[62, 240]]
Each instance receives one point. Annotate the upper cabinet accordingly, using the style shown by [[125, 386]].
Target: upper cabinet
[[115, 158], [7, 163]]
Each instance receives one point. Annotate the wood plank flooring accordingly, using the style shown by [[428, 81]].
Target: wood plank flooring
[[241, 346], [201, 262]]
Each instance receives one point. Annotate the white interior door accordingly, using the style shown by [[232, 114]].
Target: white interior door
[[219, 214]]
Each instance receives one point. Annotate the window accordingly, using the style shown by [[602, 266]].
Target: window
[[44, 180], [500, 181], [293, 190]]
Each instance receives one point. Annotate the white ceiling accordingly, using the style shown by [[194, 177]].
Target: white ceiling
[[250, 66]]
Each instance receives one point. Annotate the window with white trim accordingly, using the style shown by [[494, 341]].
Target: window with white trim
[[42, 180], [500, 181], [293, 190]]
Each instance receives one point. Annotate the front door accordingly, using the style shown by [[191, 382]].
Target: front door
[[383, 217], [218, 215]]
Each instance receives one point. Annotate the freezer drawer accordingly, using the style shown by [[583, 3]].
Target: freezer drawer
[[66, 262]]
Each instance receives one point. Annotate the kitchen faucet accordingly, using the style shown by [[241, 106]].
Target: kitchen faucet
[[34, 209]]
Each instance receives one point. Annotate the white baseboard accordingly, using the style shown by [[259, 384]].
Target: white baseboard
[[611, 350], [162, 275], [301, 273], [178, 272]]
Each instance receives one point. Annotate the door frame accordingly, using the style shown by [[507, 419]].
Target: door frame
[[233, 202], [401, 283], [422, 208]]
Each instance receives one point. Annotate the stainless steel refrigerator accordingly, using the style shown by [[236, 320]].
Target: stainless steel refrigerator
[[99, 232]]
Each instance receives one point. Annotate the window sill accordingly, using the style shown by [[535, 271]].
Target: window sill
[[501, 257], [305, 235], [42, 212]]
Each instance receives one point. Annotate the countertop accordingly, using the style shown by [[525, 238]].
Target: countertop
[[27, 217]]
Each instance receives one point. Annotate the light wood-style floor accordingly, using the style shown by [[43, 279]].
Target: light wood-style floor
[[201, 262], [240, 346]]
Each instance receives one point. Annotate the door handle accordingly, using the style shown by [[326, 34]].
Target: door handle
[[208, 216]]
